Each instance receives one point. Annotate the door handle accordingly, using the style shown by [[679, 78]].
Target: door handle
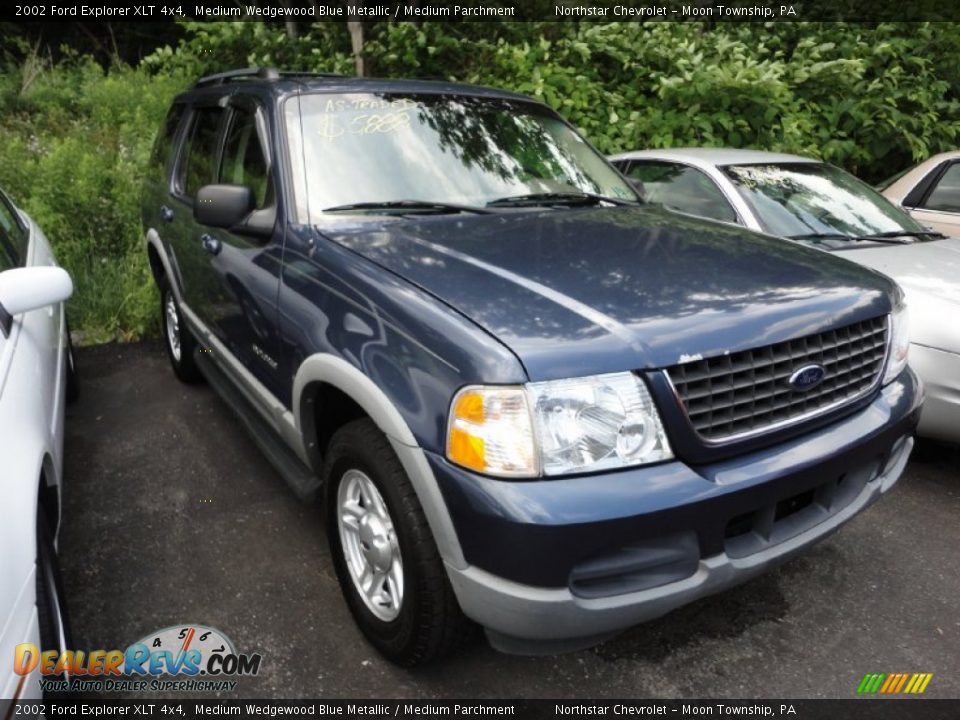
[[211, 244], [166, 213]]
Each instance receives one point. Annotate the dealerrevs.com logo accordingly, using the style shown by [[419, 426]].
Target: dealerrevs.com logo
[[188, 658]]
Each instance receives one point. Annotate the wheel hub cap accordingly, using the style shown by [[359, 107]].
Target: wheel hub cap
[[369, 544], [375, 543], [173, 326]]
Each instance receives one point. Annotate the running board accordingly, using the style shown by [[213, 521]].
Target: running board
[[302, 480]]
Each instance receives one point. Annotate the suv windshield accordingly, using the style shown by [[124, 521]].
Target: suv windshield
[[370, 149], [813, 199]]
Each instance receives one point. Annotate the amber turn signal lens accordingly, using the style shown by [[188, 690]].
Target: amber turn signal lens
[[490, 430]]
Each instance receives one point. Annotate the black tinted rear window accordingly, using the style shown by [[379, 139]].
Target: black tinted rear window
[[199, 164], [164, 142]]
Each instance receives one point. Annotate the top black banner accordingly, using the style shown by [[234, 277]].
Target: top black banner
[[484, 11]]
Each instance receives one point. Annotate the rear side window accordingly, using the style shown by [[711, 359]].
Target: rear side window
[[681, 188], [244, 161], [13, 237], [199, 163], [945, 197], [164, 142]]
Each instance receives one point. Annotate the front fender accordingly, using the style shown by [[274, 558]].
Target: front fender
[[337, 372]]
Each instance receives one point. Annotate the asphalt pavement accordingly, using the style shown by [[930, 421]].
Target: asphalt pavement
[[172, 516]]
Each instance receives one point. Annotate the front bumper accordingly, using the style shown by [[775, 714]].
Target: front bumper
[[558, 564], [940, 372]]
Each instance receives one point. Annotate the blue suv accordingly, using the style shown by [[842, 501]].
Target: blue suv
[[527, 401]]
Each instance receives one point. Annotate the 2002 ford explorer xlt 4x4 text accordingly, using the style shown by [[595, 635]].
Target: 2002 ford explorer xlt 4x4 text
[[526, 400]]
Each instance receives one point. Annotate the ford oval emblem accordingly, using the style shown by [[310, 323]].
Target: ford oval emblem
[[807, 377]]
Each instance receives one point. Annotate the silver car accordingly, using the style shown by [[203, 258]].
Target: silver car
[[930, 192], [812, 202], [37, 377]]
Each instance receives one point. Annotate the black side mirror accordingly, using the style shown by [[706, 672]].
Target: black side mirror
[[222, 206]]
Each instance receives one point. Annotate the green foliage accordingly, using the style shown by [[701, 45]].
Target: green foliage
[[214, 47], [870, 98], [73, 147]]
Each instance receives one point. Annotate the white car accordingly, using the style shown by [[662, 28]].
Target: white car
[[36, 376], [930, 192], [812, 202]]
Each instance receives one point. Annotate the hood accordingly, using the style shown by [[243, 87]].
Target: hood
[[929, 273], [580, 291]]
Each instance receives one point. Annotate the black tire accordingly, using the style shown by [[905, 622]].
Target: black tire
[[72, 391], [430, 623], [183, 363], [51, 607]]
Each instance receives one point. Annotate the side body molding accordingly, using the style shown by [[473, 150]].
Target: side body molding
[[152, 240], [335, 371], [260, 398]]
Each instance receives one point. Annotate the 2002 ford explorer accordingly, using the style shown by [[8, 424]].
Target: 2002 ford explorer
[[527, 401]]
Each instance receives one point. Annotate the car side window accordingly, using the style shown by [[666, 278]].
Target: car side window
[[13, 237], [945, 197], [244, 161], [682, 188], [8, 260], [199, 162], [163, 146]]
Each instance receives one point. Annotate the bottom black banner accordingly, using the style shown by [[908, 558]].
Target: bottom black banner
[[868, 709]]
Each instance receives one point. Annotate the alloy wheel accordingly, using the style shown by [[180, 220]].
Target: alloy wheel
[[370, 545]]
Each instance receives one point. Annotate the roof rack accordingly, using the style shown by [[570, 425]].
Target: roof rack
[[297, 73], [257, 73]]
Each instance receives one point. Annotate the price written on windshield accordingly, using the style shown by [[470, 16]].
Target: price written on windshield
[[330, 126]]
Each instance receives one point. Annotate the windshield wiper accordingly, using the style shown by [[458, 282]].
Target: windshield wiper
[[557, 198], [409, 206], [905, 233], [820, 236], [893, 238]]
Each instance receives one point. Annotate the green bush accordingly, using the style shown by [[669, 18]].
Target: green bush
[[73, 147], [872, 99]]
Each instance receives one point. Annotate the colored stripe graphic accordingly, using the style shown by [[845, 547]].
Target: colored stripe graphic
[[927, 677], [889, 683], [870, 683], [894, 683]]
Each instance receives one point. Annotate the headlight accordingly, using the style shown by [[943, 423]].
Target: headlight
[[556, 427], [596, 423], [899, 344]]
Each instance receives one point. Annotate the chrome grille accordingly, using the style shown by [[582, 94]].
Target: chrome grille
[[745, 393]]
